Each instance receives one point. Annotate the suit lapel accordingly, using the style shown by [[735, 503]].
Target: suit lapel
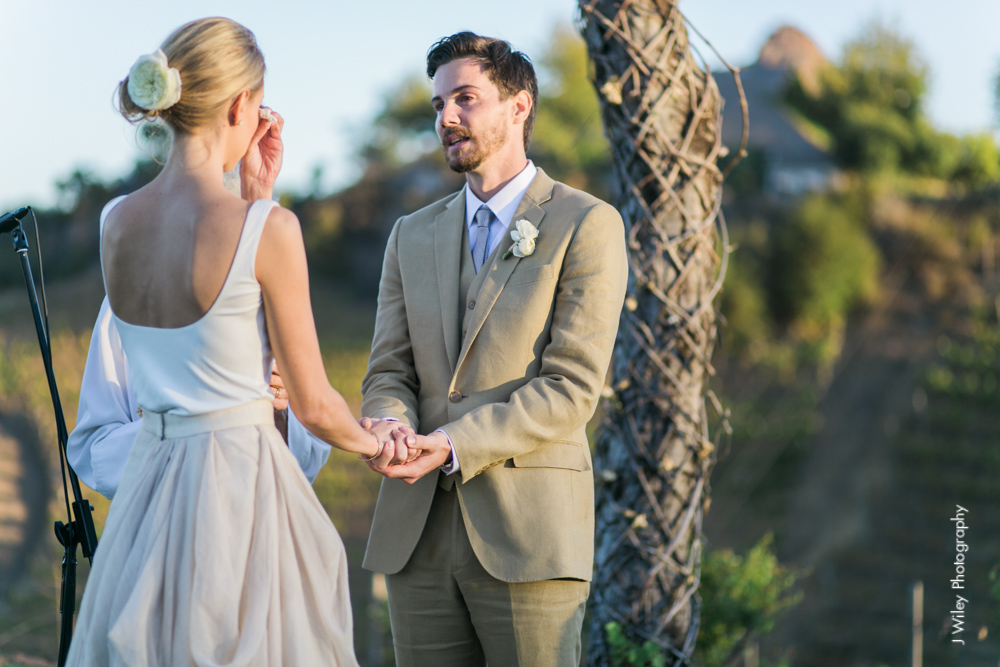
[[448, 228], [538, 192]]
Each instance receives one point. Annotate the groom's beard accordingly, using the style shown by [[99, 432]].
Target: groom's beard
[[479, 147]]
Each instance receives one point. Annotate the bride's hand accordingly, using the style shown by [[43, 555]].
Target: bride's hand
[[386, 431], [400, 443], [260, 166], [407, 444]]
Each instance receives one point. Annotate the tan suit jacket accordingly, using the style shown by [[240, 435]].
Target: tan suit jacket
[[514, 392]]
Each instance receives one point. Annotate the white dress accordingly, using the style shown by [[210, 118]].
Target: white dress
[[216, 551]]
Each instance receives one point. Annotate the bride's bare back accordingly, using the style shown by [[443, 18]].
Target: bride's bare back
[[166, 254]]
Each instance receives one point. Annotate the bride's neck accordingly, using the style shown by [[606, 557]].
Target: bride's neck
[[196, 156]]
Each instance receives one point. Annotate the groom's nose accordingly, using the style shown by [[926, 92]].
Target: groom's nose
[[448, 116]]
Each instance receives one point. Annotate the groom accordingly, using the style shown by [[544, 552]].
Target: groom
[[497, 357]]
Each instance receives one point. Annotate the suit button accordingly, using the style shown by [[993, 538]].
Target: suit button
[[472, 305], [454, 397]]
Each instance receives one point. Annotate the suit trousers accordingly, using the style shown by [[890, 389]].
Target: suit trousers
[[446, 610]]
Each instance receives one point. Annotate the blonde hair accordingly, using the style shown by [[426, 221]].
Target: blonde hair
[[217, 59]]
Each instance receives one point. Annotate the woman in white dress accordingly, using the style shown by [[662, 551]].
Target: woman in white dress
[[216, 550]]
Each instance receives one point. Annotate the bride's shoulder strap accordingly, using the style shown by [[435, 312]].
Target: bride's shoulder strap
[[253, 227], [107, 209], [100, 238]]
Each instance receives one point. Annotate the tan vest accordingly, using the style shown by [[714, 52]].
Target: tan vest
[[469, 284]]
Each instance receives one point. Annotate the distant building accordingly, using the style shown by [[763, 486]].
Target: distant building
[[792, 163]]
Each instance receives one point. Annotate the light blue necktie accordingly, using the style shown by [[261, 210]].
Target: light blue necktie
[[484, 216]]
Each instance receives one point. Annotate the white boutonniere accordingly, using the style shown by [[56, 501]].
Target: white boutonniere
[[524, 235], [152, 83]]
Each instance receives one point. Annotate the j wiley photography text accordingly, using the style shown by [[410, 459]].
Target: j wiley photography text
[[958, 583]]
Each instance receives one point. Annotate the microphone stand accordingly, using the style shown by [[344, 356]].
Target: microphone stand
[[79, 530]]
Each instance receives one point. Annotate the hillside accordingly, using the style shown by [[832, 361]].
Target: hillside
[[857, 471]]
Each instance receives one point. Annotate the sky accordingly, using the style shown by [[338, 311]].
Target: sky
[[330, 63]]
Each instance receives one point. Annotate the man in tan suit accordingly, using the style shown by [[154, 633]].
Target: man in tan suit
[[496, 352]]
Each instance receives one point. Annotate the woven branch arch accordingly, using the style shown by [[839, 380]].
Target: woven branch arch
[[654, 454]]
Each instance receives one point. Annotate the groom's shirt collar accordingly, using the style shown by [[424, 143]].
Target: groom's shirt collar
[[503, 204]]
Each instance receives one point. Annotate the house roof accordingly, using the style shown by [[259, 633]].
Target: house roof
[[788, 52]]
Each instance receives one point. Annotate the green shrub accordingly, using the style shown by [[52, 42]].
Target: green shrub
[[742, 596], [979, 166], [824, 264], [624, 653], [743, 304]]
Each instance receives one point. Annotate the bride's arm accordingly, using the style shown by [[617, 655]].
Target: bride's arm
[[284, 281]]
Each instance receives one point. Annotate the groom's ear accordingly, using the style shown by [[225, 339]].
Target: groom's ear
[[522, 107]]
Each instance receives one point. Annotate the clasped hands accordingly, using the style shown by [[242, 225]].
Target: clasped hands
[[406, 455]]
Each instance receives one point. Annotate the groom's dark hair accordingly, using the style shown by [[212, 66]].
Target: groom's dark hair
[[509, 70]]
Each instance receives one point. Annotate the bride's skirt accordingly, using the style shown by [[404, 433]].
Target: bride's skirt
[[216, 552]]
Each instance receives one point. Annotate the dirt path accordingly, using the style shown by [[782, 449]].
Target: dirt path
[[24, 493], [862, 408], [849, 464]]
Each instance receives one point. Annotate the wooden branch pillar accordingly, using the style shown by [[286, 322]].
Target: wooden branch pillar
[[662, 114]]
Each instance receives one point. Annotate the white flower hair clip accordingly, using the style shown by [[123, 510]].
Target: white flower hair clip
[[524, 236], [152, 83]]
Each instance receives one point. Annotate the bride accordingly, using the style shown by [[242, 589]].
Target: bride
[[216, 550]]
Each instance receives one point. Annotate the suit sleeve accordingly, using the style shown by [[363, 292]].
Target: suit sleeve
[[391, 384], [574, 364], [107, 419]]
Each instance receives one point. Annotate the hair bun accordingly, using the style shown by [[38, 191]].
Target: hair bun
[[152, 84]]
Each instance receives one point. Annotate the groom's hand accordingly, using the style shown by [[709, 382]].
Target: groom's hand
[[433, 450]]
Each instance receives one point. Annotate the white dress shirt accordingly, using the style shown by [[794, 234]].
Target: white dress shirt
[[108, 417], [503, 205]]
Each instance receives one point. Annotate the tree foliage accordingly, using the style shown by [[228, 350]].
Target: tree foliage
[[403, 129], [872, 105], [568, 140]]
